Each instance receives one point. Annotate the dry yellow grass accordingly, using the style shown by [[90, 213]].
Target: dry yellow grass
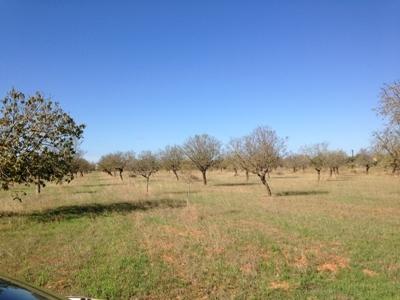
[[107, 238]]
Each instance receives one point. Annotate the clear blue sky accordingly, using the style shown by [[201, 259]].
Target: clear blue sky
[[143, 74]]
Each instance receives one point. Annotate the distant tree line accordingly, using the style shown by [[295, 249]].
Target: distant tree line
[[38, 143]]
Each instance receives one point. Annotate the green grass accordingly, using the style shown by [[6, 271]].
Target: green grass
[[105, 238]]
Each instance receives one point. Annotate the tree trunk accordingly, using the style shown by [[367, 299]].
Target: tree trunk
[[294, 170], [247, 175], [147, 184], [394, 169], [236, 171], [319, 174], [81, 173], [265, 183], [176, 174], [367, 169], [108, 172], [204, 177], [337, 170], [330, 172], [120, 173], [38, 187]]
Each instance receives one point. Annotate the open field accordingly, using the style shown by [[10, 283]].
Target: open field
[[98, 236]]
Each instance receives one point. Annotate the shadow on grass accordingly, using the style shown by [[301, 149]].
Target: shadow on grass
[[236, 184], [284, 177], [101, 184], [85, 192], [95, 209], [181, 192], [301, 193]]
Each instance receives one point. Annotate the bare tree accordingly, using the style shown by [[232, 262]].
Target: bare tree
[[172, 158], [388, 142], [389, 106], [113, 162], [296, 162], [204, 151], [318, 157], [365, 159], [146, 165], [81, 165], [335, 159], [259, 152]]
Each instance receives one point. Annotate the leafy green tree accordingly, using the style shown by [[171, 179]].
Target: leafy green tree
[[37, 141], [204, 151]]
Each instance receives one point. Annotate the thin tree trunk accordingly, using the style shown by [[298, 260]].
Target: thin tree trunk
[[319, 174], [204, 177], [247, 175], [81, 173], [147, 184], [120, 173], [176, 174], [330, 172], [294, 170], [236, 171], [367, 169], [394, 169], [38, 187], [265, 183]]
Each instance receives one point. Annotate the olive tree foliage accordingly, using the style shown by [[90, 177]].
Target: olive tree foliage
[[335, 159], [172, 158], [318, 157], [260, 152], [387, 140], [365, 158], [114, 162], [204, 151], [146, 165], [37, 141]]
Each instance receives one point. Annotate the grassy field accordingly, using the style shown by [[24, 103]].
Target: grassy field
[[98, 236]]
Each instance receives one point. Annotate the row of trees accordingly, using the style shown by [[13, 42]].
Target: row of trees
[[38, 143], [260, 152]]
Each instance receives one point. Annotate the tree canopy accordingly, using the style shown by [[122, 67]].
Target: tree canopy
[[37, 140]]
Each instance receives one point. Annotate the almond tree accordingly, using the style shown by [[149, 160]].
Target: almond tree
[[37, 141], [318, 157], [335, 159], [172, 158], [146, 165], [260, 152], [388, 139], [113, 162], [365, 159], [204, 151]]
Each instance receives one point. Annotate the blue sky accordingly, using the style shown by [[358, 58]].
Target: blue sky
[[144, 74]]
